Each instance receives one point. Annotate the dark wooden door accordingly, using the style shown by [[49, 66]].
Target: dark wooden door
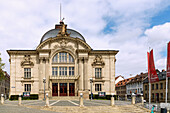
[[71, 89], [63, 89], [55, 89]]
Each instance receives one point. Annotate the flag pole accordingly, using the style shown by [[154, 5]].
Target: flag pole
[[149, 81], [166, 88], [167, 71]]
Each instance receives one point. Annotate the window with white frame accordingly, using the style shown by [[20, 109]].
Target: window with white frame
[[54, 71], [71, 71], [63, 57], [98, 72], [71, 60], [55, 58], [27, 72], [98, 87], [63, 71], [27, 87]]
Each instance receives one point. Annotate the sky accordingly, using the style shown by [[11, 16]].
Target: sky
[[130, 26]]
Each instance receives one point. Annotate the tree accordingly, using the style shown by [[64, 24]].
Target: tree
[[2, 74]]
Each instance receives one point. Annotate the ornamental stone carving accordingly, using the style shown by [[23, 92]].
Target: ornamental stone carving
[[98, 61], [63, 43], [27, 61]]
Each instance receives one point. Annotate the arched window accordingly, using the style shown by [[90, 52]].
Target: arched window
[[63, 65], [63, 57]]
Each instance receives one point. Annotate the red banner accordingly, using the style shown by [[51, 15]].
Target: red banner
[[168, 60], [148, 67], [152, 72]]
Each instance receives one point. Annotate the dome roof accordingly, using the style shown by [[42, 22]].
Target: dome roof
[[53, 33]]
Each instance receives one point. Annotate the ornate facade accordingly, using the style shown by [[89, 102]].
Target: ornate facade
[[67, 63]]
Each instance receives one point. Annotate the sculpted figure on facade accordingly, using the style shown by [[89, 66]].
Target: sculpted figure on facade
[[98, 61], [27, 61]]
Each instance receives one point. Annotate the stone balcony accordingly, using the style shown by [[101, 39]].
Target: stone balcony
[[64, 77]]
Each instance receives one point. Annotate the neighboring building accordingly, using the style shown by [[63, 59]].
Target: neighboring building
[[5, 85], [121, 87], [158, 89], [118, 78], [67, 63], [135, 85]]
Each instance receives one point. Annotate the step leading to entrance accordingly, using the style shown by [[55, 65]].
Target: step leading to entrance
[[65, 98]]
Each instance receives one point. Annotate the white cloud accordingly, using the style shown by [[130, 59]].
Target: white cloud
[[24, 22]]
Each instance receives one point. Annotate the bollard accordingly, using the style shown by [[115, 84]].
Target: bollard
[[125, 97], [2, 98], [47, 100], [168, 110], [19, 100], [133, 98], [112, 100], [142, 99], [81, 100], [118, 98]]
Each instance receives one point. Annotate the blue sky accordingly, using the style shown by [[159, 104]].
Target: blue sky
[[161, 17], [128, 26]]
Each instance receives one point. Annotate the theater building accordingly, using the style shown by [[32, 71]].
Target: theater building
[[66, 63]]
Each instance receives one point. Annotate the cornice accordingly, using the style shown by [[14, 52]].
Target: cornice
[[83, 50], [112, 52], [21, 52], [43, 50]]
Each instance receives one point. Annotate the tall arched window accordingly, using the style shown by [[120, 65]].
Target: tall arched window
[[63, 64], [63, 57]]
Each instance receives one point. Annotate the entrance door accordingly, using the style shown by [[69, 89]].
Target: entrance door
[[63, 89], [71, 89], [55, 89]]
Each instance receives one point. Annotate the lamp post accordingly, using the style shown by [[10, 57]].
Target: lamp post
[[44, 81], [91, 81]]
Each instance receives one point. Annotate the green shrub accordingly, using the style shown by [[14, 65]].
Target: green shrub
[[32, 97], [96, 96]]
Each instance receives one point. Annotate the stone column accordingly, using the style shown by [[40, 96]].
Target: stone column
[[81, 75], [75, 88], [58, 89], [2, 98], [85, 75], [19, 100], [51, 88], [67, 88]]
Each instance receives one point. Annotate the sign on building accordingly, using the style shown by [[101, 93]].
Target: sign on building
[[26, 94]]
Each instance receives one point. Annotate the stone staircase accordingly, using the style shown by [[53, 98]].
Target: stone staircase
[[64, 98]]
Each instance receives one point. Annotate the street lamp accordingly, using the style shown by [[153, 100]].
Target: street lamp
[[91, 81], [44, 81]]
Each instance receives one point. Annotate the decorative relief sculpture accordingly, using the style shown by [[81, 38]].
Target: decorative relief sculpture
[[63, 45], [27, 61], [98, 61]]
